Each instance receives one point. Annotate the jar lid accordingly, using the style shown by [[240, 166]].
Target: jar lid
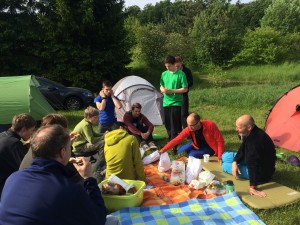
[[229, 182]]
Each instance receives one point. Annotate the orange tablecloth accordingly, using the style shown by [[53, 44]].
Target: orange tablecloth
[[165, 193]]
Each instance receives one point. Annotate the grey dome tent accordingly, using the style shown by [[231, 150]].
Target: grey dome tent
[[20, 94], [133, 89]]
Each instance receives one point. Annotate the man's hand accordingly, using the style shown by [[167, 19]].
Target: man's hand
[[261, 194], [101, 94], [84, 168], [165, 90], [112, 93], [235, 169], [145, 135], [73, 136], [168, 91]]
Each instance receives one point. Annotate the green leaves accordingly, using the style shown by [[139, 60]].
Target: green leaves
[[75, 42], [283, 16]]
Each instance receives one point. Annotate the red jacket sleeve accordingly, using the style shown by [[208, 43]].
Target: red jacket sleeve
[[213, 137], [175, 141]]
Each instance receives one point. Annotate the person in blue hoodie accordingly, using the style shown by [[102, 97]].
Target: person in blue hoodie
[[43, 194]]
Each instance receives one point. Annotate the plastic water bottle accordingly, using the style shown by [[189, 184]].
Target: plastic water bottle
[[229, 186]]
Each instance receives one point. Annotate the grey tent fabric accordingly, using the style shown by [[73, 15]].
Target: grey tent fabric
[[133, 89]]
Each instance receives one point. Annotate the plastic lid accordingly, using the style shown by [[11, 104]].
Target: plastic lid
[[229, 182]]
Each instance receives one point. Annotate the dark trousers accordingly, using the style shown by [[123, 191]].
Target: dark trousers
[[143, 129], [185, 110], [173, 124], [102, 128]]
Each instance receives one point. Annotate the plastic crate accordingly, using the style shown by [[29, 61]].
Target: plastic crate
[[116, 202]]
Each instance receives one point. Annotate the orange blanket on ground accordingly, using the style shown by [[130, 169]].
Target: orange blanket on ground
[[163, 192]]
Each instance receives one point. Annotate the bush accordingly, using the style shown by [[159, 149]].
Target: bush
[[261, 46]]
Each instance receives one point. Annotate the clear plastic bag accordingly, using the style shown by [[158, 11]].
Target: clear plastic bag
[[193, 169], [178, 173], [206, 177], [164, 162]]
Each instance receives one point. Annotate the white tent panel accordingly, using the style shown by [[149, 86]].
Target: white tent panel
[[133, 89]]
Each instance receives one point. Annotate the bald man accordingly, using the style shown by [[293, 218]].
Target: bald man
[[206, 138], [257, 151]]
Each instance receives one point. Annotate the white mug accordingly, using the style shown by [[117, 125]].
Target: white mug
[[206, 157]]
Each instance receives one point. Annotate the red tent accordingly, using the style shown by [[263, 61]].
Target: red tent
[[283, 122]]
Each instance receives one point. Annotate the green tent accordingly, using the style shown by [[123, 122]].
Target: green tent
[[20, 94]]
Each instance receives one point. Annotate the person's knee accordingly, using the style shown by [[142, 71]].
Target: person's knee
[[228, 157], [112, 220], [227, 167], [196, 154]]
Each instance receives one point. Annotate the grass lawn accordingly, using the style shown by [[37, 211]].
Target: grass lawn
[[223, 97]]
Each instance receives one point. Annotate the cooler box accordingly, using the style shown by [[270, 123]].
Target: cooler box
[[116, 202]]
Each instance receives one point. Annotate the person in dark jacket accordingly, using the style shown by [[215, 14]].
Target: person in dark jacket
[[51, 119], [43, 194], [258, 153], [12, 150], [139, 126], [189, 77]]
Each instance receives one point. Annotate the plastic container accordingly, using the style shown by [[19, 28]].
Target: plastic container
[[116, 202], [116, 180], [229, 186], [216, 188]]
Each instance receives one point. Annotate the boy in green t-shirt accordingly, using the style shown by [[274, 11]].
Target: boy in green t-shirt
[[173, 84]]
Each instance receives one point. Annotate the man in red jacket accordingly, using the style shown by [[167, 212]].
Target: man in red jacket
[[206, 138]]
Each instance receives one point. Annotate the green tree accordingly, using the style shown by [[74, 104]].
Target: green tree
[[291, 47], [261, 46], [253, 12], [283, 15], [177, 17], [19, 38], [133, 11], [151, 45], [178, 44], [85, 41], [217, 33]]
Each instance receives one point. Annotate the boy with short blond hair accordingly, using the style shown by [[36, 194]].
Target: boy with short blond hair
[[89, 142]]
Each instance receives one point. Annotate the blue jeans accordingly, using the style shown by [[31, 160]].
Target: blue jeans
[[197, 153], [227, 159]]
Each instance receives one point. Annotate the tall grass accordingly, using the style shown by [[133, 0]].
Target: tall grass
[[257, 89], [270, 74]]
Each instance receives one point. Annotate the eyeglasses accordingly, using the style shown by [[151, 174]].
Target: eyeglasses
[[192, 125]]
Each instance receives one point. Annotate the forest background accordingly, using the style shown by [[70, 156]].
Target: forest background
[[81, 43]]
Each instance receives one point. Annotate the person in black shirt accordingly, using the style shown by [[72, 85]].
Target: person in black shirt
[[12, 150], [185, 104], [257, 151]]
